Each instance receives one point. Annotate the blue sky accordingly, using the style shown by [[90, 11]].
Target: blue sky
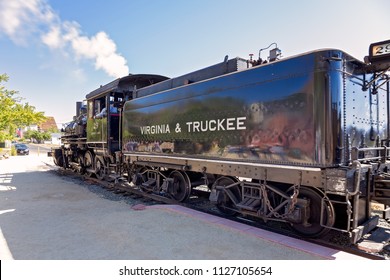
[[57, 51]]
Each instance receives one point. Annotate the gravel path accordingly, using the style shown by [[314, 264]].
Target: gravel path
[[46, 216]]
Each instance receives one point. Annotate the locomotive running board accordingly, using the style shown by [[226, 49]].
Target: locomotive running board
[[313, 176], [183, 167]]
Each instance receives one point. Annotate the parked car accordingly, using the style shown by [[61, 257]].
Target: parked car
[[22, 149]]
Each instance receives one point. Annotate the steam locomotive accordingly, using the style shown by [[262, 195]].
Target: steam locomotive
[[303, 140]]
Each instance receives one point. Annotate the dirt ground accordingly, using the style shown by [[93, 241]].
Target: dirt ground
[[45, 216]]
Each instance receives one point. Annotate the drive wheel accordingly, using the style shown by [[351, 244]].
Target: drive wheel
[[80, 160], [100, 168], [59, 161], [88, 163]]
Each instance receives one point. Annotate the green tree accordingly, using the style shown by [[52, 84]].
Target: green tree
[[13, 112], [39, 136]]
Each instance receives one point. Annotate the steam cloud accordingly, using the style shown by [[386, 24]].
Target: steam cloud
[[22, 19]]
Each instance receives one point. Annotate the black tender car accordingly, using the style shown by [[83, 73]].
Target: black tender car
[[22, 149]]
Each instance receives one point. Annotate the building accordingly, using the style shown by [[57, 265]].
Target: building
[[48, 125]]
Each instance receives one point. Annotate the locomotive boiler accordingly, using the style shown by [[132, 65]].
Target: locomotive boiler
[[303, 140]]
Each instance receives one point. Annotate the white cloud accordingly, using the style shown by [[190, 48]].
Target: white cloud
[[23, 19], [103, 50], [53, 38]]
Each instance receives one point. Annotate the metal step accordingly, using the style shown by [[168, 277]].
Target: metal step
[[249, 203], [149, 184]]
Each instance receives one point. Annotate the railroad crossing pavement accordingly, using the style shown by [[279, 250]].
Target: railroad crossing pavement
[[44, 216]]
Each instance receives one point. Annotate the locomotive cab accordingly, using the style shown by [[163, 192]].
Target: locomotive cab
[[103, 122]]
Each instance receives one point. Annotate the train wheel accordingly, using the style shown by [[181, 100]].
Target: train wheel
[[59, 161], [88, 163], [181, 189], [100, 168], [225, 203], [130, 172], [314, 227], [80, 160], [141, 176]]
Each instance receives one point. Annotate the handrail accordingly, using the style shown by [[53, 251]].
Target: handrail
[[383, 154], [358, 168]]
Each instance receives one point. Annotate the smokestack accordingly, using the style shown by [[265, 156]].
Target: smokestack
[[78, 107]]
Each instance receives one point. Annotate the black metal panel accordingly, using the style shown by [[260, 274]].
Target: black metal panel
[[294, 111], [366, 116], [261, 114]]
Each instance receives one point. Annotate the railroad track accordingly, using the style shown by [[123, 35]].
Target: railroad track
[[199, 201]]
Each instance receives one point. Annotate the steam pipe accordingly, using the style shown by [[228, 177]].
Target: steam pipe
[[276, 45]]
